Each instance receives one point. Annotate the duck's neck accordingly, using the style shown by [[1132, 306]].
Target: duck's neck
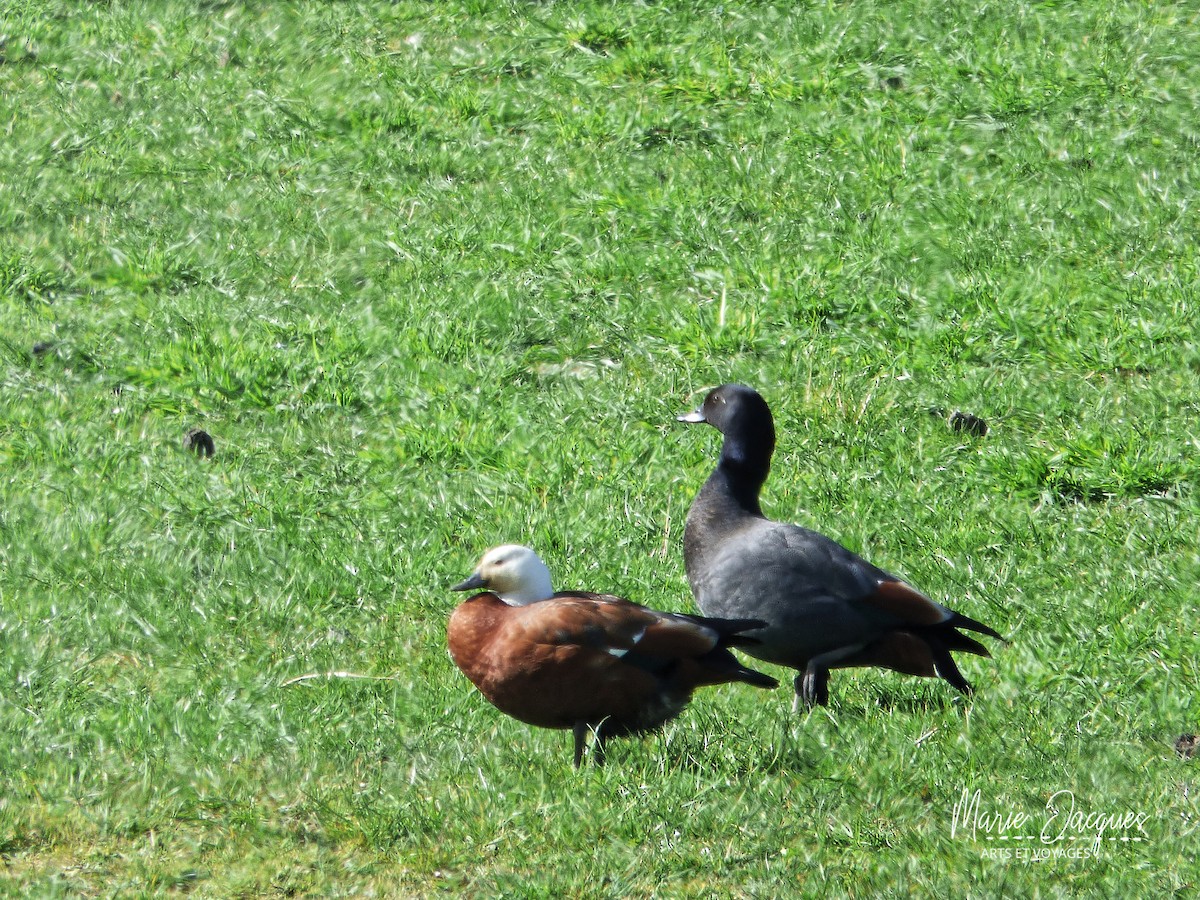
[[729, 498], [733, 488], [744, 464], [731, 492], [725, 503]]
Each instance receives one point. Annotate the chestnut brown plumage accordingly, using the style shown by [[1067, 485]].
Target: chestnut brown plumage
[[585, 661]]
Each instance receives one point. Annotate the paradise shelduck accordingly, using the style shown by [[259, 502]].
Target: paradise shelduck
[[585, 661], [825, 607]]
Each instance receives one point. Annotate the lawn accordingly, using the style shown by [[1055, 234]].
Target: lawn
[[437, 276]]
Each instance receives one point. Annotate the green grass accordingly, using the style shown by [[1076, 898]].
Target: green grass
[[439, 276]]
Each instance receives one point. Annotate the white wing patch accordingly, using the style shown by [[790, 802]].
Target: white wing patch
[[619, 652]]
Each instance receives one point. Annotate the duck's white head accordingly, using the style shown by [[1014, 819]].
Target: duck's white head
[[514, 573]]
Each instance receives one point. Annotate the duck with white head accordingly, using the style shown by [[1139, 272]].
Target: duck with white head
[[581, 660]]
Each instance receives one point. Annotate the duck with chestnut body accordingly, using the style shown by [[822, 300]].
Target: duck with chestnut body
[[585, 661]]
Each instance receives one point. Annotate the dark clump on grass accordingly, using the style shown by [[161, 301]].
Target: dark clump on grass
[[959, 421], [199, 442], [971, 424], [1185, 745]]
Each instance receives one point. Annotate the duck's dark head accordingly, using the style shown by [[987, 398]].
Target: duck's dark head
[[736, 410], [742, 415]]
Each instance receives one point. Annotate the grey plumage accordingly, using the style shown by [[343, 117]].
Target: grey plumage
[[825, 606]]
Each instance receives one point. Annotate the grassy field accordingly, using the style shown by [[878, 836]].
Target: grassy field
[[437, 276]]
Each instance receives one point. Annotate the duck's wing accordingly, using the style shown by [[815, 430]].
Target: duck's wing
[[617, 627], [774, 565]]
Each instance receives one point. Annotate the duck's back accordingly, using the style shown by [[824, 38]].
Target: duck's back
[[803, 583], [581, 656]]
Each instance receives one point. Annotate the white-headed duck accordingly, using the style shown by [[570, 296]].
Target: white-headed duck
[[581, 660]]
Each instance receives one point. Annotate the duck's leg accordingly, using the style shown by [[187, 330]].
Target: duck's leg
[[580, 731], [812, 685]]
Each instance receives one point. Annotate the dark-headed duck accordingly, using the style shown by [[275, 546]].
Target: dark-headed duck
[[825, 607], [584, 661]]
